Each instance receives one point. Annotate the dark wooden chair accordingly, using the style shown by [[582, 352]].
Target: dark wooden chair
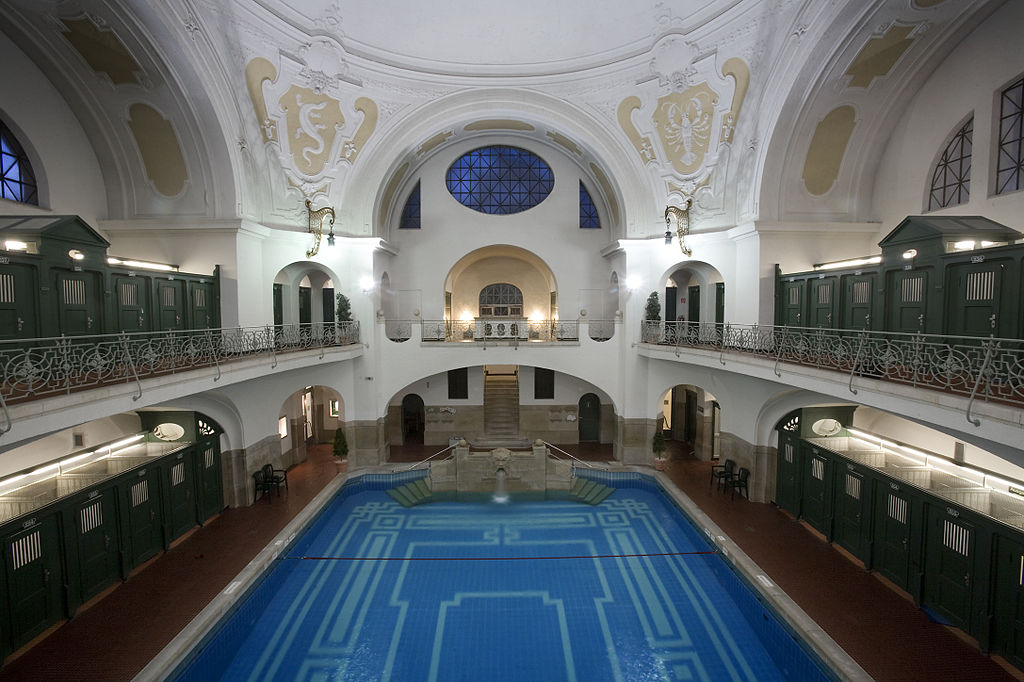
[[277, 476], [262, 485], [722, 472], [739, 482]]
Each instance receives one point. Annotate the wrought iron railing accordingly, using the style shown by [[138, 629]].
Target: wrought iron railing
[[33, 368], [982, 368], [515, 330]]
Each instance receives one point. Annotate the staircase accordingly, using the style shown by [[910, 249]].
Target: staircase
[[589, 492], [501, 406], [412, 493]]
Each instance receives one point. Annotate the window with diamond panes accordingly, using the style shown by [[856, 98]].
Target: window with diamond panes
[[588, 211], [1010, 159], [951, 179], [17, 181], [501, 300], [410, 219], [499, 180]]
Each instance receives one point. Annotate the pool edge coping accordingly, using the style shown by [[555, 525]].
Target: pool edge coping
[[175, 652]]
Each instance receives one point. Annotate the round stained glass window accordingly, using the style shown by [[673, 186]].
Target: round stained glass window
[[500, 180]]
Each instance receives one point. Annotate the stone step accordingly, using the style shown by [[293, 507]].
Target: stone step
[[589, 492], [412, 493]]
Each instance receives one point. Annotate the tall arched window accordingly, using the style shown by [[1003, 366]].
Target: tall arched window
[[1010, 159], [17, 181], [501, 300], [951, 178], [499, 180]]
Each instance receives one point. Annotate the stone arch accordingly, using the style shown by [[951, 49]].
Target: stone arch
[[497, 264], [288, 299], [692, 273]]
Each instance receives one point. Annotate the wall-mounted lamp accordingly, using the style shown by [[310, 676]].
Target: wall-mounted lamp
[[75, 254], [316, 226], [681, 218]]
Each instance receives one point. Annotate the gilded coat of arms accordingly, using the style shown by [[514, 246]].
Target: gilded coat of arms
[[313, 122], [684, 121]]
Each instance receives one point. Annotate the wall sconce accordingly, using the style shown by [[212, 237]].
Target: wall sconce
[[681, 217], [316, 226]]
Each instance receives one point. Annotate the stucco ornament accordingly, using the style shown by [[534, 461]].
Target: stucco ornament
[[312, 121], [683, 120]]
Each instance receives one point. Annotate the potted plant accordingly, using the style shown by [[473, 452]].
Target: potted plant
[[652, 313], [340, 448], [659, 447]]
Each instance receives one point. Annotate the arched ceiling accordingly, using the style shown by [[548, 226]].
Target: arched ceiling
[[758, 109]]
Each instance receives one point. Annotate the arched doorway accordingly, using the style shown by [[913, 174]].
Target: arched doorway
[[589, 418], [413, 419]]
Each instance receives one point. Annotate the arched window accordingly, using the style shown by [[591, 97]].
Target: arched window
[[499, 180], [17, 181], [951, 178], [410, 219], [588, 211], [501, 300], [1010, 159]]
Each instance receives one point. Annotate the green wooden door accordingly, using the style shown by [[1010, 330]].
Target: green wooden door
[[972, 305], [278, 305], [131, 297], [179, 482], [949, 566], [815, 487], [821, 306], [170, 301], [852, 511], [791, 301], [34, 579], [78, 303], [211, 489], [589, 418], [18, 294], [787, 487], [201, 301], [720, 302], [693, 305], [145, 536], [906, 300], [1008, 622], [671, 301], [305, 305], [97, 539], [858, 292], [893, 543]]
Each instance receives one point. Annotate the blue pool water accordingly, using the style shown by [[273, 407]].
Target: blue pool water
[[546, 590]]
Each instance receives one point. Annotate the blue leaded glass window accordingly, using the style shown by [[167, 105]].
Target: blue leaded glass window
[[1010, 159], [588, 212], [17, 181], [411, 213], [500, 180], [951, 179]]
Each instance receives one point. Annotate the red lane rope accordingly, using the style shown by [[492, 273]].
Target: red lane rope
[[490, 558]]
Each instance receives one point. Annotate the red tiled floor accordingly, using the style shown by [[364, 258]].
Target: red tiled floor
[[117, 636]]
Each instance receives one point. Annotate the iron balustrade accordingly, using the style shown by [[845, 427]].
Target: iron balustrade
[[985, 368], [34, 368], [499, 329]]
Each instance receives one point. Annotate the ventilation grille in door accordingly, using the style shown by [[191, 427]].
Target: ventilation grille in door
[[957, 538], [897, 509], [853, 486], [981, 286], [177, 474], [74, 291], [6, 288], [825, 294], [818, 468], [91, 517], [911, 289], [128, 293], [208, 457], [26, 550], [787, 452], [861, 292], [167, 297], [794, 296], [140, 493]]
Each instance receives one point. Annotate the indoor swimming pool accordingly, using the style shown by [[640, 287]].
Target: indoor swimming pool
[[475, 590]]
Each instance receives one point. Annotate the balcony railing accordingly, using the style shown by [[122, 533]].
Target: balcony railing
[[984, 368], [511, 329], [34, 368]]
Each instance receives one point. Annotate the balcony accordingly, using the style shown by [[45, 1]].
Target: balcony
[[509, 331]]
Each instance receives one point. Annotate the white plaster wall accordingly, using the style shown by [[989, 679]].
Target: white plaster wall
[[969, 79], [434, 389], [56, 445], [450, 230], [59, 150]]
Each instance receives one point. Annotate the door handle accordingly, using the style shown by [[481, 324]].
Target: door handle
[[46, 575], [992, 321], [21, 323], [88, 323], [177, 319]]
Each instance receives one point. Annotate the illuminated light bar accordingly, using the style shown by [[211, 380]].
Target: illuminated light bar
[[122, 443], [142, 264], [15, 245], [851, 263]]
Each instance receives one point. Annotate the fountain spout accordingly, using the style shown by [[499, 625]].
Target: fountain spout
[[500, 495]]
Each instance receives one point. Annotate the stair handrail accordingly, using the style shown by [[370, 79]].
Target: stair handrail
[[572, 457], [424, 461]]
